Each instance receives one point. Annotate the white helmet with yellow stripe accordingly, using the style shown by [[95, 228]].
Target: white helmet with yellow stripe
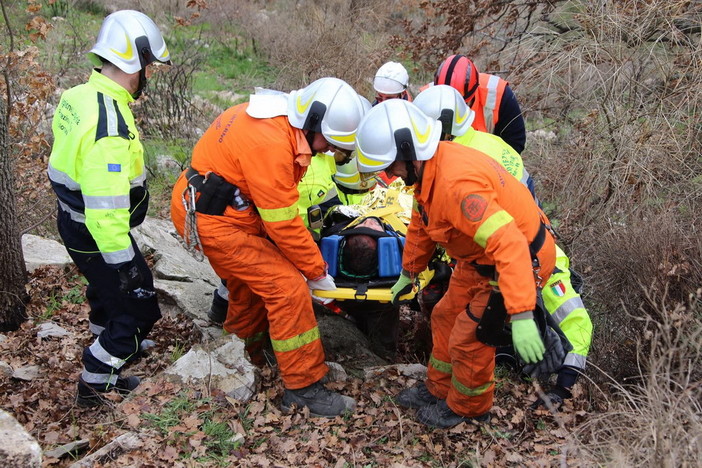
[[348, 178], [395, 130], [129, 40], [330, 106], [445, 104]]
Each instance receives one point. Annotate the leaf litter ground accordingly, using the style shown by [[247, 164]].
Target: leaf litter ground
[[188, 427]]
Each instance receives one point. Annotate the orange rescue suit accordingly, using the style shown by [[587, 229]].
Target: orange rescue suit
[[469, 204], [262, 250]]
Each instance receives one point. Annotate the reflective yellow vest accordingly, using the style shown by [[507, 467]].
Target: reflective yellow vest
[[317, 185]]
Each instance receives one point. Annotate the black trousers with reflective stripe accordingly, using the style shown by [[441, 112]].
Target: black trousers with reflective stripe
[[127, 320]]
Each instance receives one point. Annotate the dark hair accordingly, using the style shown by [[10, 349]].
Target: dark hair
[[360, 255]]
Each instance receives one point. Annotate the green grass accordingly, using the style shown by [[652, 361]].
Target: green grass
[[245, 420], [218, 435], [228, 61], [176, 149], [178, 351], [219, 440], [171, 413], [53, 305]]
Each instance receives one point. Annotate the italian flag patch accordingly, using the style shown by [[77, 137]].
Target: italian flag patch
[[558, 288]]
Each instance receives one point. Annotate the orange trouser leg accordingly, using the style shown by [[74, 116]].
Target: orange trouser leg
[[465, 283], [473, 380], [251, 260], [247, 318]]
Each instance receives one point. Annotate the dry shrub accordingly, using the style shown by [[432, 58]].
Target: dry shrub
[[167, 108], [31, 86], [657, 420], [622, 88], [306, 40]]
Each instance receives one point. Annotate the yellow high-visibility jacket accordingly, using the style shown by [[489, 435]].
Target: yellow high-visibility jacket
[[96, 165]]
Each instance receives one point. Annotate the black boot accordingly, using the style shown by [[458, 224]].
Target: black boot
[[320, 401], [441, 416], [90, 395], [218, 310], [416, 397]]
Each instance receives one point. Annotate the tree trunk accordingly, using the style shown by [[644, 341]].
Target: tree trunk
[[13, 275]]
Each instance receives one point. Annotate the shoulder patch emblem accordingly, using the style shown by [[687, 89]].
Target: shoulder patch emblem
[[114, 168], [473, 207]]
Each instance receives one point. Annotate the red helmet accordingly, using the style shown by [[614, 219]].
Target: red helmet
[[459, 72]]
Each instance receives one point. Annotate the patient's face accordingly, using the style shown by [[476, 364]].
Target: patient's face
[[371, 223]]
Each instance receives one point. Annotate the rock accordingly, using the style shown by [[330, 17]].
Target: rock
[[172, 261], [543, 135], [342, 339], [68, 449], [6, 369], [415, 371], [221, 364], [41, 252], [47, 329], [18, 448], [178, 275], [167, 164], [122, 444], [27, 373], [336, 373]]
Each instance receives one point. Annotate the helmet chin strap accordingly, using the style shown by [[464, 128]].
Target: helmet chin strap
[[411, 178], [310, 138], [142, 83]]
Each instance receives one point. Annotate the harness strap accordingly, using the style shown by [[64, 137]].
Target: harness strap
[[535, 246]]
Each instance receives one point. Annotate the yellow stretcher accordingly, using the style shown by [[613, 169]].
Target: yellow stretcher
[[382, 294]]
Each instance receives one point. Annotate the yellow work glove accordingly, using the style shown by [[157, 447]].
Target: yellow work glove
[[527, 339], [403, 286]]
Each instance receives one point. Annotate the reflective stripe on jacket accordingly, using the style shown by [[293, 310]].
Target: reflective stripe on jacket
[[497, 149], [479, 213], [96, 165], [567, 308], [317, 185], [487, 102]]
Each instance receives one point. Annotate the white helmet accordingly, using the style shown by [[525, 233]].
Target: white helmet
[[391, 78], [395, 130], [130, 40], [330, 106], [445, 104], [347, 177]]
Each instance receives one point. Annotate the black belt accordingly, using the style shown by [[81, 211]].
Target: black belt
[[215, 193], [534, 247]]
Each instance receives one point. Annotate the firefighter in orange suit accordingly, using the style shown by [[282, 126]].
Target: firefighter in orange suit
[[489, 222], [239, 200]]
